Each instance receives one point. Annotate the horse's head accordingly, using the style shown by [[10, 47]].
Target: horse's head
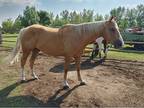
[[112, 33]]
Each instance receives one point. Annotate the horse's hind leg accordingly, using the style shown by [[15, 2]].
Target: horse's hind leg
[[66, 65], [25, 54], [32, 59]]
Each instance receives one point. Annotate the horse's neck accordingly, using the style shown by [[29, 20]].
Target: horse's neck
[[91, 32]]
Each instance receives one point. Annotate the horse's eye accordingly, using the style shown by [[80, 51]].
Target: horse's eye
[[112, 29]]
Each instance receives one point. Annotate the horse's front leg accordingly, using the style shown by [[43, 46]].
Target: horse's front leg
[[100, 53], [66, 65], [77, 61], [100, 46], [105, 50]]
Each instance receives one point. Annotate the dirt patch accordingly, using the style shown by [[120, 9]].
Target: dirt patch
[[111, 83]]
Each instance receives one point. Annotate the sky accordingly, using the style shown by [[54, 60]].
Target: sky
[[13, 8]]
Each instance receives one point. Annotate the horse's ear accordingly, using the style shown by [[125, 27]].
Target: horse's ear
[[112, 17]]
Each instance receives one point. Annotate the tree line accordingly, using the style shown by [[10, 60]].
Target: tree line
[[125, 18]]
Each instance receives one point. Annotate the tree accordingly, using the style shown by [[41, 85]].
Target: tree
[[57, 22], [65, 16], [98, 17], [119, 13], [75, 18], [140, 15], [123, 24], [44, 18], [17, 25], [51, 16], [106, 17], [30, 16], [87, 15], [7, 26], [131, 17]]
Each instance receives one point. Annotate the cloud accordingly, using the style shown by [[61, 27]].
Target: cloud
[[17, 2], [130, 6]]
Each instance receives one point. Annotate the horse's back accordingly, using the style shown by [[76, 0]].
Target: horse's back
[[39, 31], [41, 28]]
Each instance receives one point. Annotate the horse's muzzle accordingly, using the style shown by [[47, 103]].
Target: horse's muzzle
[[118, 43]]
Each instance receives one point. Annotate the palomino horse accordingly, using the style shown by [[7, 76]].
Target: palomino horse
[[68, 41]]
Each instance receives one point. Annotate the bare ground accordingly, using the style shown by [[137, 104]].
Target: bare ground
[[109, 83]]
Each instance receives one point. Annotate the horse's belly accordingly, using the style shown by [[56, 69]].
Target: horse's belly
[[52, 51]]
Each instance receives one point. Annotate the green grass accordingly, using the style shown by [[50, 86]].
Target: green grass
[[8, 44], [126, 55], [9, 35], [11, 93], [9, 40]]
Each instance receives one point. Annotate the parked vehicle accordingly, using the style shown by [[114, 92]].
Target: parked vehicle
[[134, 36]]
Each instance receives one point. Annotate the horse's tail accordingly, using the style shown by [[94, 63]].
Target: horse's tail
[[16, 50]]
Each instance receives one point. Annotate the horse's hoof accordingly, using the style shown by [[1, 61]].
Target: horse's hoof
[[66, 87], [82, 83], [22, 81], [36, 78]]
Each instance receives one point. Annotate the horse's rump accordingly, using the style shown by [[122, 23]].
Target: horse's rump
[[43, 38]]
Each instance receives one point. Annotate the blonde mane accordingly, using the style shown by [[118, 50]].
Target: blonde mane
[[88, 27]]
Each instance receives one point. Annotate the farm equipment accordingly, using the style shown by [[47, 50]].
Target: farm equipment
[[134, 37]]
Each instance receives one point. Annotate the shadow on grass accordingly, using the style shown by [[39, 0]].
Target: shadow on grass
[[31, 101], [17, 100], [87, 64], [56, 100]]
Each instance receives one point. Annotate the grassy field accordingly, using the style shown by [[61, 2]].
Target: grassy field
[[126, 55], [9, 40]]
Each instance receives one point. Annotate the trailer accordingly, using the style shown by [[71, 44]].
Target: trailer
[[134, 38]]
